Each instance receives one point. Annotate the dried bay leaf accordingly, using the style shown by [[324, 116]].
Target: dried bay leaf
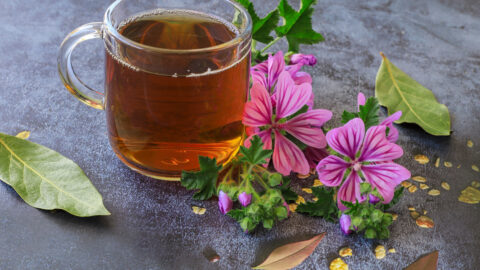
[[47, 180], [23, 135], [290, 255], [399, 92], [427, 262]]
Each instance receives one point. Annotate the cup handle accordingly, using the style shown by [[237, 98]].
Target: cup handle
[[71, 81]]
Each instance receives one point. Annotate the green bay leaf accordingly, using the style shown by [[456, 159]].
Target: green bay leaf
[[399, 92], [47, 180]]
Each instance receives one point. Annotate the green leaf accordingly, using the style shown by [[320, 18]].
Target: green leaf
[[325, 206], [204, 180], [287, 193], [297, 25], [369, 112], [47, 180], [347, 116], [399, 92], [261, 27], [255, 154]]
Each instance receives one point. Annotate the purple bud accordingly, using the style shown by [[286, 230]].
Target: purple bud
[[305, 59], [373, 199], [245, 198], [224, 202], [345, 223]]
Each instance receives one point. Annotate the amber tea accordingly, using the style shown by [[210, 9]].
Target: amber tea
[[161, 119]]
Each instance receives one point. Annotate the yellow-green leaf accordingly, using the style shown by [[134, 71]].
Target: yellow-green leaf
[[290, 255], [47, 180], [399, 92], [23, 135]]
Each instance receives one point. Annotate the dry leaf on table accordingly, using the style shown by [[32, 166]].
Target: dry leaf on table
[[427, 262]]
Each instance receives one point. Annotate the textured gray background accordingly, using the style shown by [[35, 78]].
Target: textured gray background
[[152, 226]]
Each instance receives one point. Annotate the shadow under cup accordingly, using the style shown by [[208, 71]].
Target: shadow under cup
[[176, 81]]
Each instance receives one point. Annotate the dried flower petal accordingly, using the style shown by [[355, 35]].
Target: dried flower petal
[[414, 214], [300, 200], [198, 210], [345, 252], [338, 264], [469, 143], [470, 195], [423, 186], [307, 190], [422, 159], [315, 199], [475, 168], [292, 207], [475, 184], [420, 179], [434, 192], [437, 162], [302, 176], [425, 222], [317, 183], [424, 212], [445, 186], [23, 135], [411, 208], [380, 252], [448, 164], [412, 188], [406, 184], [392, 250]]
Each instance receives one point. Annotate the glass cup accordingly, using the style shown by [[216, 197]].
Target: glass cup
[[176, 81]]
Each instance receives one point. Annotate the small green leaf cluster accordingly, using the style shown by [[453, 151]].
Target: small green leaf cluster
[[296, 27], [370, 220]]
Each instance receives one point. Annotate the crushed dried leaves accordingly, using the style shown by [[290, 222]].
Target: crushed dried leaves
[[420, 179], [423, 186], [437, 162], [411, 208], [470, 195], [475, 168], [345, 252], [412, 188], [292, 207], [434, 192], [300, 200], [414, 214], [424, 222], [392, 250], [469, 143], [317, 183], [307, 190], [447, 164], [303, 176], [406, 184], [475, 184], [214, 258], [445, 186], [380, 252], [394, 216], [198, 210], [338, 264], [422, 159]]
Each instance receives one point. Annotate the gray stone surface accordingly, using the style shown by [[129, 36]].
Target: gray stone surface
[[152, 226]]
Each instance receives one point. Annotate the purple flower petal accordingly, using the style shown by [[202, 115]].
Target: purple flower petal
[[290, 97], [393, 132], [331, 170], [385, 177], [276, 65], [244, 198], [224, 202], [347, 140], [262, 67], [305, 59], [360, 100], [306, 127], [349, 191], [345, 222], [376, 147], [288, 157], [258, 111]]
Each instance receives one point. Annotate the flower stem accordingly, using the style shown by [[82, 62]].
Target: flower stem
[[270, 44]]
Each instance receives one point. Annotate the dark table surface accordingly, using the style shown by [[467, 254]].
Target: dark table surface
[[152, 225]]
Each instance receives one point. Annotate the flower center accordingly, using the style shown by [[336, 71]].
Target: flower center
[[356, 166]]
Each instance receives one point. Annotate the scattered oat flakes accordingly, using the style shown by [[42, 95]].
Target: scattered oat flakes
[[303, 176], [423, 186], [300, 200], [445, 186], [470, 195], [434, 192], [317, 183], [198, 210], [411, 208], [412, 188], [437, 162], [425, 222], [469, 143], [380, 252], [422, 159], [214, 258], [23, 135], [307, 190], [338, 264], [414, 214], [394, 216], [406, 184], [448, 164], [392, 250], [420, 179], [345, 252], [475, 184], [315, 199], [475, 168], [292, 207]]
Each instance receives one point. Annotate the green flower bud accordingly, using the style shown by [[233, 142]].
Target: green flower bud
[[357, 221], [370, 233], [376, 215], [275, 179], [268, 223], [281, 212]]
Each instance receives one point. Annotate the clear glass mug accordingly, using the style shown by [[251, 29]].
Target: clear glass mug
[[176, 80]]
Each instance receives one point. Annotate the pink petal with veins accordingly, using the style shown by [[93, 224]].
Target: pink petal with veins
[[348, 139]]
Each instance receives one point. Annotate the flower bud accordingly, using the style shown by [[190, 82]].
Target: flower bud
[[245, 198], [224, 202], [305, 59], [373, 199], [345, 223]]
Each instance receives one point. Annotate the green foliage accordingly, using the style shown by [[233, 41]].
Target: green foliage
[[288, 194], [261, 27], [255, 154], [368, 113], [369, 219], [325, 206], [205, 180]]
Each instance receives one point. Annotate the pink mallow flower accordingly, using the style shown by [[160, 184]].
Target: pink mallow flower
[[224, 202], [244, 198], [370, 155], [259, 113], [393, 132]]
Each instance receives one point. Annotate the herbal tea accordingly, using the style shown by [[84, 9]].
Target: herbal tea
[[192, 105]]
